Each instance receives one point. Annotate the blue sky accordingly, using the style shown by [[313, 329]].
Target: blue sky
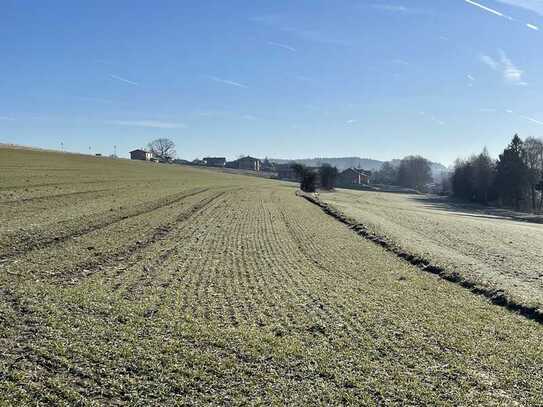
[[377, 78]]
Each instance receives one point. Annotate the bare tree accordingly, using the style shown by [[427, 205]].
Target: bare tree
[[162, 148], [414, 172], [387, 174]]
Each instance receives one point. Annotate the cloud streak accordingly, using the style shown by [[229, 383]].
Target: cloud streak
[[120, 78], [228, 82], [489, 61], [510, 72], [433, 118], [316, 36], [400, 62], [531, 119], [154, 124], [281, 22], [397, 8], [91, 99], [284, 46]]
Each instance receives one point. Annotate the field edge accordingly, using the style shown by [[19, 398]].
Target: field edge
[[496, 295]]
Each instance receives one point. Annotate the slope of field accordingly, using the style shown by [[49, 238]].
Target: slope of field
[[483, 246], [179, 286]]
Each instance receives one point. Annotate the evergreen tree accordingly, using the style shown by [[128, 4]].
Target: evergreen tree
[[483, 173], [462, 180], [512, 175], [533, 158]]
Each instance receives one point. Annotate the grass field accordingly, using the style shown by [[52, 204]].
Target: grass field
[[134, 283], [485, 246]]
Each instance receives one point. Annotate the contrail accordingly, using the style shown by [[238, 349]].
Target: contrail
[[119, 78], [490, 10], [500, 14], [532, 120], [284, 46], [228, 82]]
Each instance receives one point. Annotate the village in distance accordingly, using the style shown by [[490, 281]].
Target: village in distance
[[344, 172]]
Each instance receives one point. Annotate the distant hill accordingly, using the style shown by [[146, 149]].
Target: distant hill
[[343, 163]]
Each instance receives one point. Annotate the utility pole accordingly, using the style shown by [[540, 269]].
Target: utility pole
[[61, 146], [89, 149], [115, 151]]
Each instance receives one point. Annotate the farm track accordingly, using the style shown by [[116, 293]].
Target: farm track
[[145, 271], [54, 184], [125, 253], [55, 196], [31, 333], [74, 261], [21, 243]]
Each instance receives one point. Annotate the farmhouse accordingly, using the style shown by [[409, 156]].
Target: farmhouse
[[354, 176], [215, 161], [140, 155], [246, 163]]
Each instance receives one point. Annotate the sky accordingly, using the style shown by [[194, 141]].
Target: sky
[[284, 79]]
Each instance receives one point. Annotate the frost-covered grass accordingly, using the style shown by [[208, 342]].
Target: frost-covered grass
[[482, 246]]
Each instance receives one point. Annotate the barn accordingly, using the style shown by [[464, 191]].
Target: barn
[[215, 161], [246, 163], [140, 154], [354, 176]]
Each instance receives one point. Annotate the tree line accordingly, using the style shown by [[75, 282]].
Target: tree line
[[514, 180], [413, 172]]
